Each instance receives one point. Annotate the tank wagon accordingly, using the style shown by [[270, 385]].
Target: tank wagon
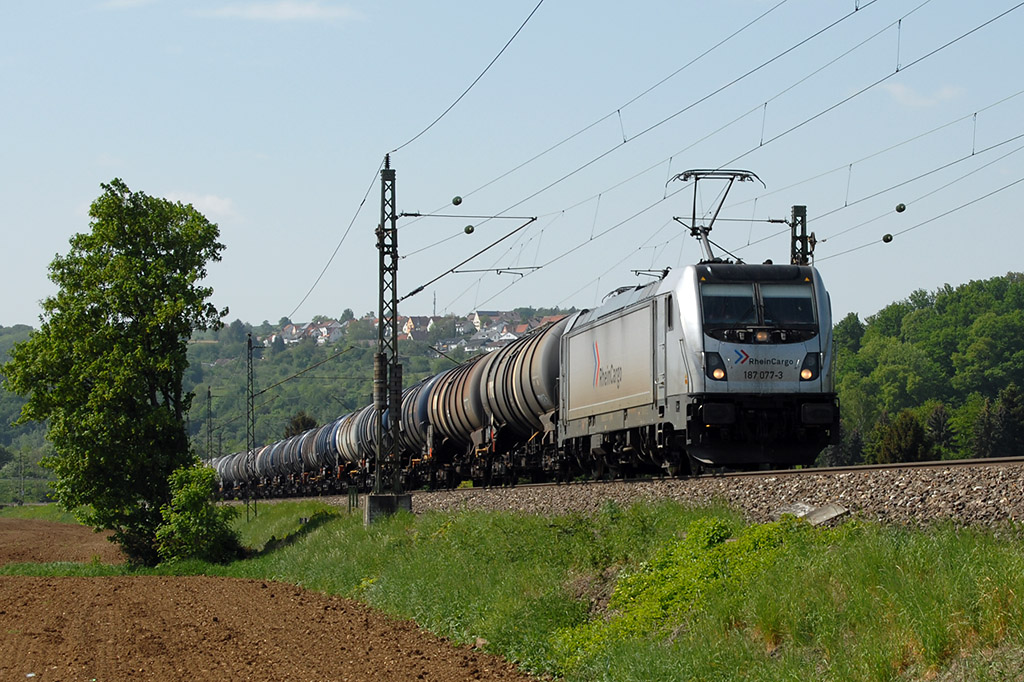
[[719, 364]]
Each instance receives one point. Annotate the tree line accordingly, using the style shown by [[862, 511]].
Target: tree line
[[937, 375]]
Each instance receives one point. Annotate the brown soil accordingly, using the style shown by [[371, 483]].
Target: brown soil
[[199, 628], [24, 541]]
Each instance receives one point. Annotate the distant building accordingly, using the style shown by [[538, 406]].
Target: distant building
[[415, 323], [479, 318], [327, 331]]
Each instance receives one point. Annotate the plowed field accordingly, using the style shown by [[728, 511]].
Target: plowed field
[[198, 628]]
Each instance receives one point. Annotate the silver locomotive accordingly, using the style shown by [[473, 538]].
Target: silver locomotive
[[720, 364]]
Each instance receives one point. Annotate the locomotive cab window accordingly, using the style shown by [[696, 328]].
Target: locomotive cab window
[[731, 310], [728, 304], [787, 305]]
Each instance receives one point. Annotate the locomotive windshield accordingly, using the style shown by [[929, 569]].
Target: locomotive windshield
[[729, 304], [769, 304], [786, 305]]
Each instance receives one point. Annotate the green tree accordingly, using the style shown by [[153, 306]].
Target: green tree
[[847, 452], [889, 320], [232, 338], [848, 333], [901, 441], [992, 354], [361, 330], [985, 432], [300, 423], [962, 419], [1009, 414], [443, 328], [105, 368], [938, 430], [902, 375]]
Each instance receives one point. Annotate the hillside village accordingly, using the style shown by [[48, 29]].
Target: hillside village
[[480, 331]]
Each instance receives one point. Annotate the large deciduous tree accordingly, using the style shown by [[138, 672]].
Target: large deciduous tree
[[105, 368]]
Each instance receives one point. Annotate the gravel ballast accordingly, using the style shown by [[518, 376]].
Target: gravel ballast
[[981, 494]]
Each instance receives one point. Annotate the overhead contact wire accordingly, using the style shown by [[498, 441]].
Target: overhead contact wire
[[301, 372], [931, 220], [475, 81], [880, 152], [342, 241], [618, 109], [773, 139]]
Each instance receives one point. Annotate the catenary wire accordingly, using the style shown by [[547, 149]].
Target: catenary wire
[[903, 183], [475, 81], [662, 122], [929, 220], [766, 142], [880, 152], [618, 109], [405, 144], [301, 372], [342, 240], [669, 118]]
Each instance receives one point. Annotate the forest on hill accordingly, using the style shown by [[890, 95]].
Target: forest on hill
[[21, 447], [937, 375], [305, 380]]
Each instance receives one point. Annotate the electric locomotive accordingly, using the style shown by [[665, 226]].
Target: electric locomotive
[[720, 364], [724, 364]]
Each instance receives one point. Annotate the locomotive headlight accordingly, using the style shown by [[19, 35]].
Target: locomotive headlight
[[714, 366], [810, 367], [761, 336]]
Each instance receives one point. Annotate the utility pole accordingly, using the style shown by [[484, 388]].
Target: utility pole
[[209, 423], [24, 454], [387, 371], [250, 433]]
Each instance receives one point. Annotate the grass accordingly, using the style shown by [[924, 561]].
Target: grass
[[43, 512], [663, 592]]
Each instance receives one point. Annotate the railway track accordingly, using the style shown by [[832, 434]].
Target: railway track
[[983, 492]]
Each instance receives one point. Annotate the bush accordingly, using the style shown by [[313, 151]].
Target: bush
[[194, 527]]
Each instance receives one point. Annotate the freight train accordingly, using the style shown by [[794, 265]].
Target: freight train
[[715, 365], [719, 364]]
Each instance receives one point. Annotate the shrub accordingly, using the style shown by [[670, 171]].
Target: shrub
[[194, 527]]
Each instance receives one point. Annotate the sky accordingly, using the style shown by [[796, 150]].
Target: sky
[[273, 118]]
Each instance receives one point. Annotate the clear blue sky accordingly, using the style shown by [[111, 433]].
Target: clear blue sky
[[272, 118]]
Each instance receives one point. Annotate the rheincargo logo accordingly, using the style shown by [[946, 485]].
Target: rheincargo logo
[[605, 376], [744, 358]]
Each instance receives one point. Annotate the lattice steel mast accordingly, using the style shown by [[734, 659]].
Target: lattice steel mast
[[387, 371]]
